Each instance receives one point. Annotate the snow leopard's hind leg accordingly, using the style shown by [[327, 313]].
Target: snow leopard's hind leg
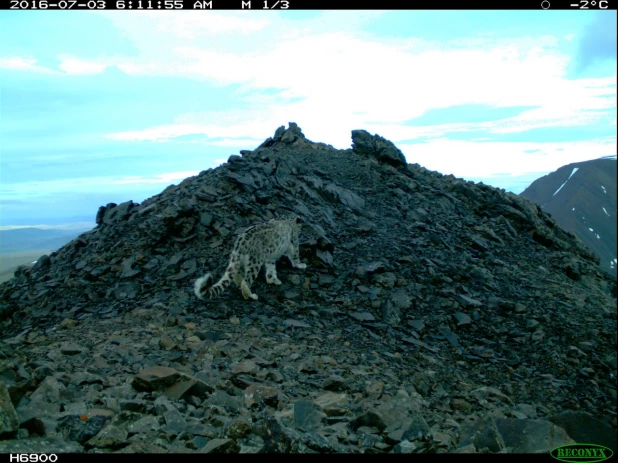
[[251, 269]]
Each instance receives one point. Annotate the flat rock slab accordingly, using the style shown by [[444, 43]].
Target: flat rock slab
[[155, 378]]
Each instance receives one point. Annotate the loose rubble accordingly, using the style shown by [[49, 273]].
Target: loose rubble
[[435, 316]]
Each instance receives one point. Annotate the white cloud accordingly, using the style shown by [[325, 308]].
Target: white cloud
[[24, 64], [330, 77], [35, 189], [332, 80], [175, 132], [243, 129], [214, 23], [168, 177], [68, 64], [469, 159], [72, 65], [173, 27], [160, 133], [242, 143]]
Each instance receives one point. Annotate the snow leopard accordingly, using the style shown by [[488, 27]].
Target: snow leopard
[[261, 244]]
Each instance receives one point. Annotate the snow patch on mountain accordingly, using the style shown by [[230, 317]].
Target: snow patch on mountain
[[574, 170]]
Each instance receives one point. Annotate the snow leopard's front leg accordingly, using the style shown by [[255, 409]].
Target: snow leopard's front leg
[[292, 254], [271, 273]]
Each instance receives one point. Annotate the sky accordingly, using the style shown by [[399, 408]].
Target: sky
[[111, 106]]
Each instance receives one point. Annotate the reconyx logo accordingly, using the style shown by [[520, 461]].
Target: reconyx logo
[[588, 453]]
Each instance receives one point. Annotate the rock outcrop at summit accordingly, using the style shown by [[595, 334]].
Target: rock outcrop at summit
[[434, 315], [374, 145]]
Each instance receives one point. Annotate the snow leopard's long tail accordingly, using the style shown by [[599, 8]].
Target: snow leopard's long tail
[[203, 288]]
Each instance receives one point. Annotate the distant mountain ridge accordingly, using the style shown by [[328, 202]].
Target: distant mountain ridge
[[581, 197], [32, 239]]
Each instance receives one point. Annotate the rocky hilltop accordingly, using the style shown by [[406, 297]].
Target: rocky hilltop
[[581, 197], [435, 315]]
